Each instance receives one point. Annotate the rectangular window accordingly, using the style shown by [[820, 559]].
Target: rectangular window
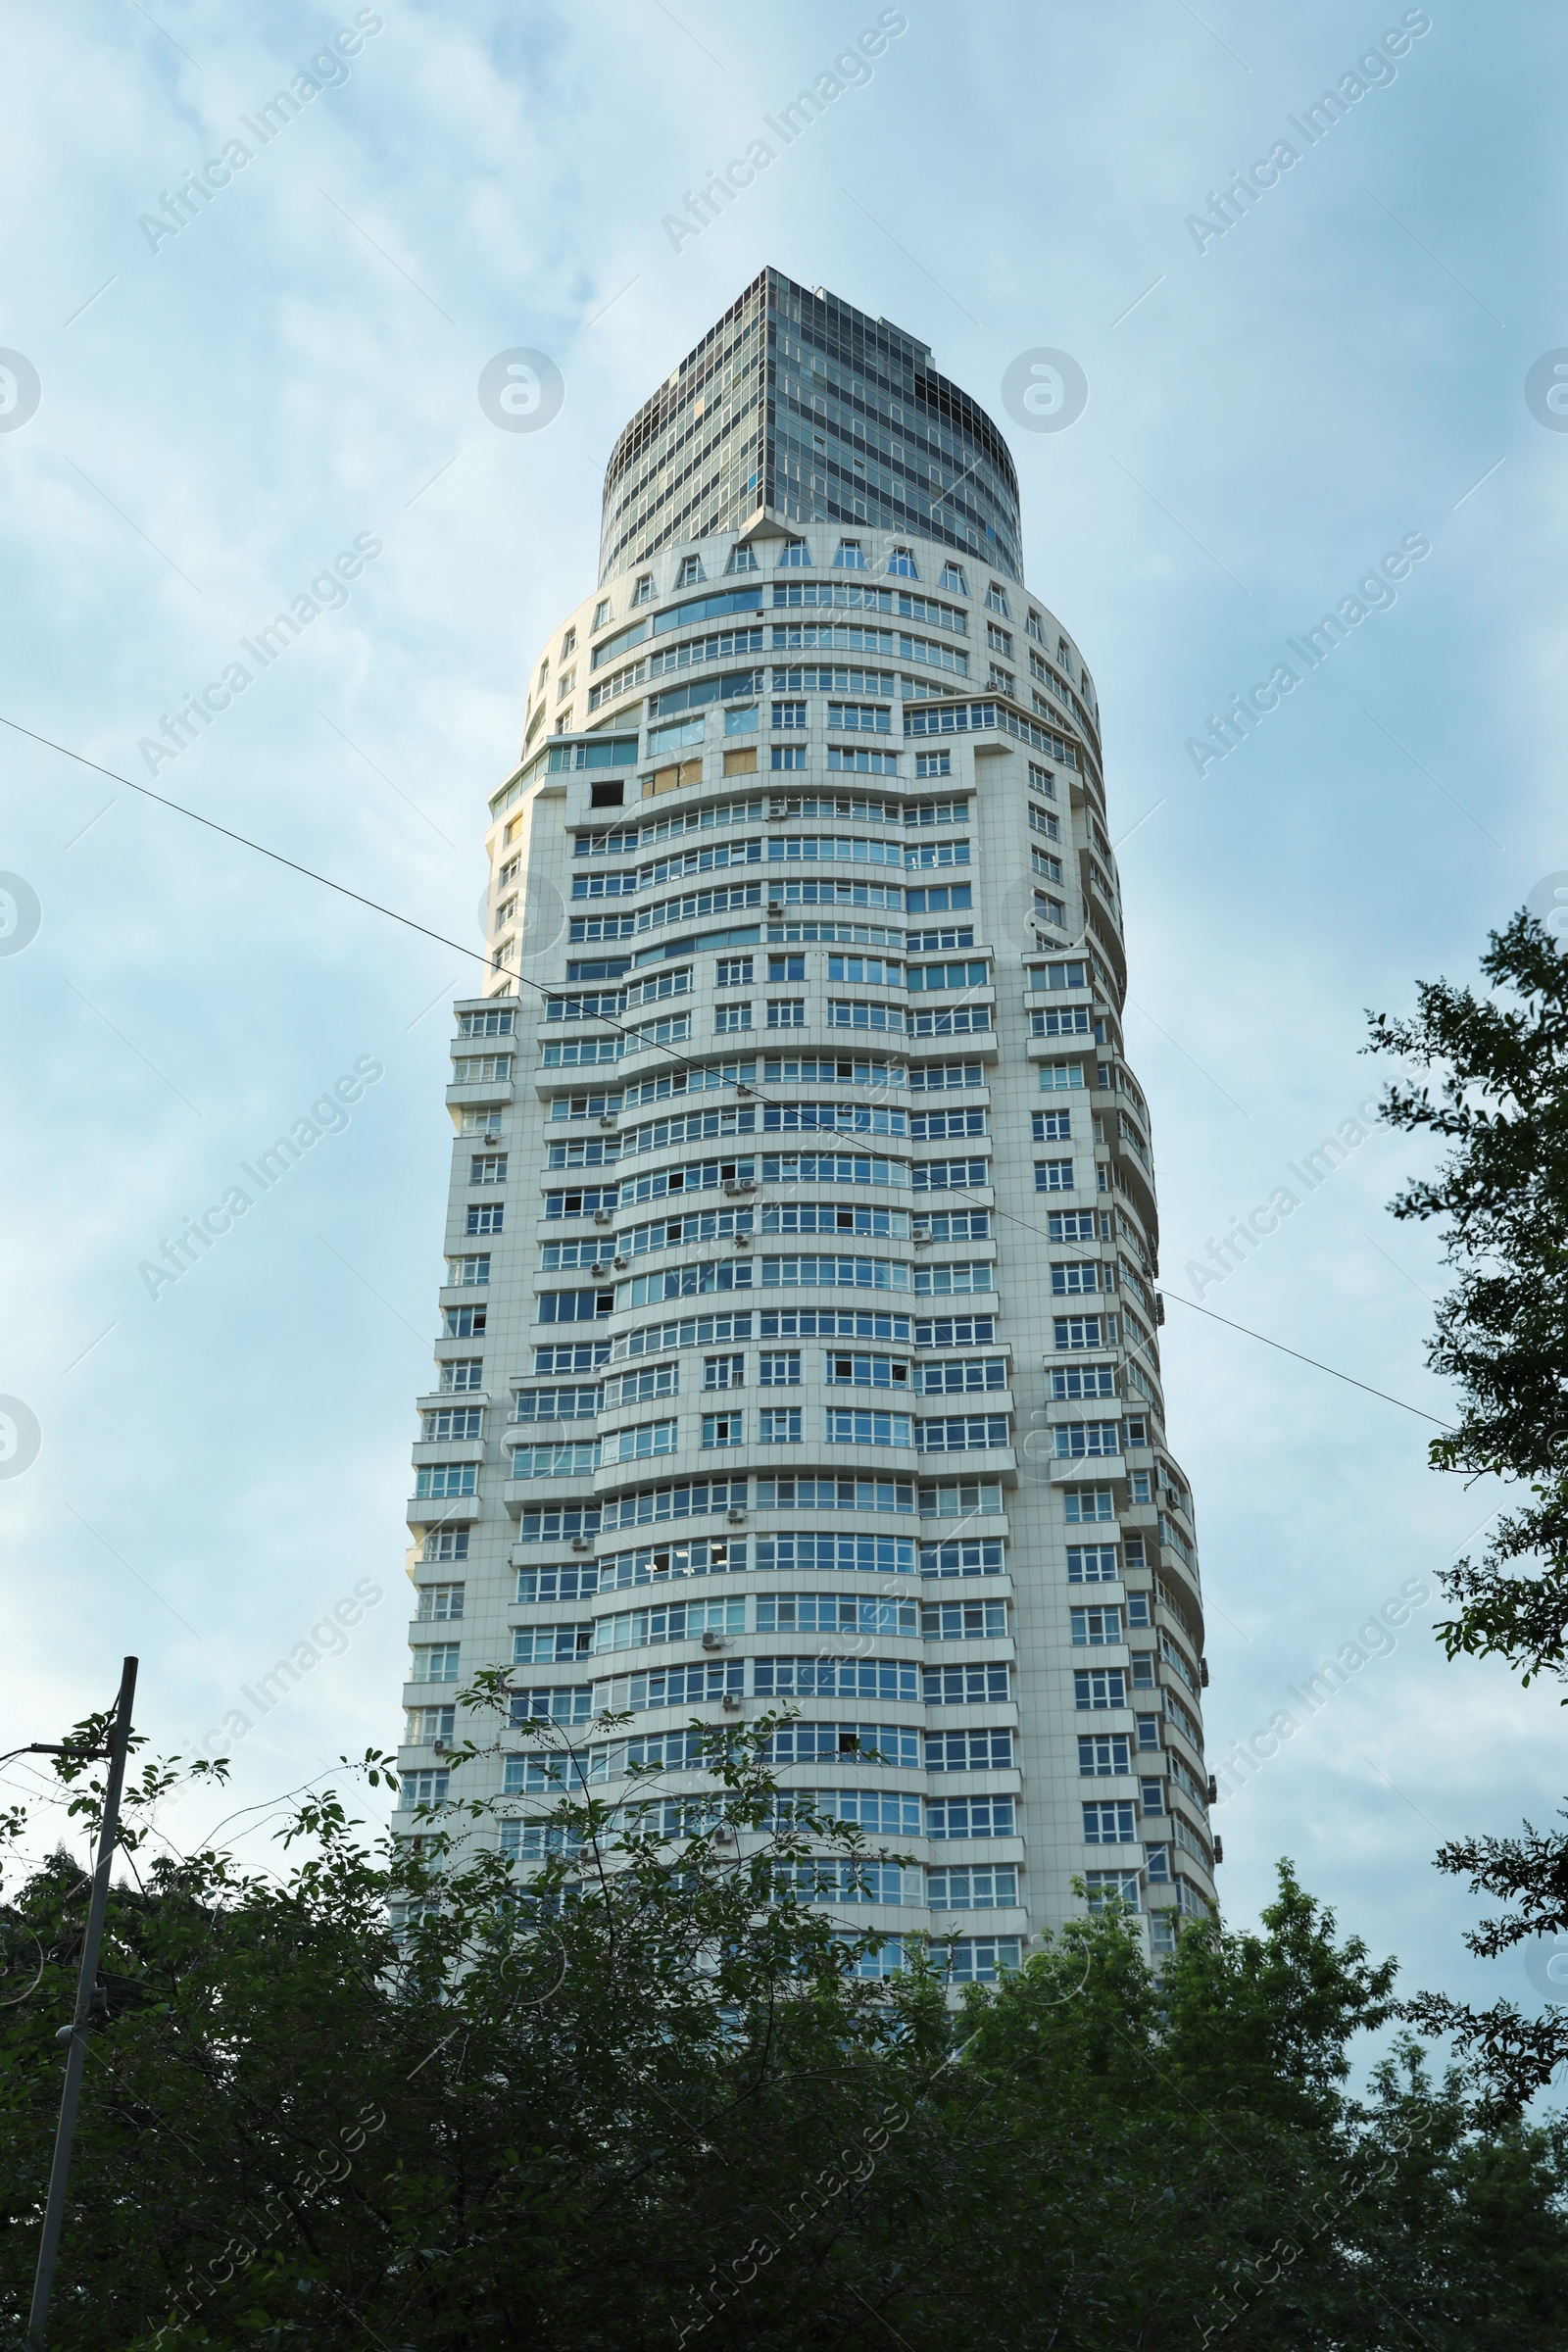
[[426, 1723], [446, 1543], [1052, 1126], [636, 1444], [729, 1018], [781, 1370], [723, 1372], [1103, 1754], [1085, 1380], [786, 967], [970, 1817], [1091, 1564], [467, 1273], [434, 1662], [422, 1789], [1110, 1887], [1096, 1686], [1084, 1331], [723, 1429], [454, 1421], [933, 763], [1077, 1439], [848, 1427], [1053, 1175], [487, 1216], [779, 1425], [789, 715], [1074, 1276], [851, 718], [462, 1372], [439, 1604], [967, 1751], [964, 1686], [1086, 1503], [433, 1480], [787, 755], [487, 1167], [734, 971], [975, 1887], [786, 1012], [964, 1620], [1096, 1628]]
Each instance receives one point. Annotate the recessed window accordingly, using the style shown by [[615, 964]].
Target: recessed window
[[794, 555], [997, 600], [723, 1429], [691, 571], [952, 579], [780, 1370], [728, 1019], [440, 1603], [734, 971], [742, 559], [601, 612], [567, 643], [779, 1425], [742, 721], [724, 1371], [901, 563], [784, 967], [851, 557], [643, 593], [786, 1012]]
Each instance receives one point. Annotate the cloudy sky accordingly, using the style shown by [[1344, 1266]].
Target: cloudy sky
[[194, 425]]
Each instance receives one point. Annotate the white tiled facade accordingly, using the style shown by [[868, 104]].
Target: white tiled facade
[[796, 1103]]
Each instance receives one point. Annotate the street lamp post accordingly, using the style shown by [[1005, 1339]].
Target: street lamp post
[[74, 2036]]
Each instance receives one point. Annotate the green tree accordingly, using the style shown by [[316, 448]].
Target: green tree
[[1500, 1065], [644, 2093]]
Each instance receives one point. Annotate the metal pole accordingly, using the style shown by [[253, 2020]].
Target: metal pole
[[75, 2033]]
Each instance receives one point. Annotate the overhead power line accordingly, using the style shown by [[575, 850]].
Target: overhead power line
[[686, 1061]]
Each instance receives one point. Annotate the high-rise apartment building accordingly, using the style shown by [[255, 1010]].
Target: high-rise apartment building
[[799, 1345]]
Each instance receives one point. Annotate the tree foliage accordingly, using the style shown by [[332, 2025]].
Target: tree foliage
[[1500, 1065], [646, 2093]]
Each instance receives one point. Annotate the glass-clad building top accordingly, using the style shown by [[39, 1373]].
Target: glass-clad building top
[[796, 408]]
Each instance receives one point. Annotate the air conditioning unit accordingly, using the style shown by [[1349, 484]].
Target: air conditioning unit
[[621, 1264], [1219, 1850], [602, 1216], [438, 1747], [737, 1517], [732, 1702], [1213, 1789], [1202, 1673], [606, 1118], [732, 1186], [724, 1835], [713, 1641], [581, 1544], [1159, 1307], [742, 1241]]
